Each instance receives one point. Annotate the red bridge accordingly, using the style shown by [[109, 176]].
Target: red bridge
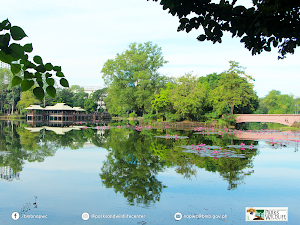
[[286, 119]]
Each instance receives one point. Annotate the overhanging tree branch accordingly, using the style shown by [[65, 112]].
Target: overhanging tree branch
[[275, 22]]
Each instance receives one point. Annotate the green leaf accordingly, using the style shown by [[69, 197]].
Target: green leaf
[[5, 58], [40, 82], [57, 68], [25, 59], [26, 85], [64, 82], [30, 65], [16, 81], [4, 40], [60, 74], [17, 51], [28, 48], [48, 66], [28, 75], [267, 48], [201, 37], [50, 81], [37, 59], [17, 33], [5, 24], [48, 75], [41, 68], [15, 68], [51, 91], [38, 75], [39, 93]]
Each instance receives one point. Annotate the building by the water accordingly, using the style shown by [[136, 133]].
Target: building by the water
[[61, 113]]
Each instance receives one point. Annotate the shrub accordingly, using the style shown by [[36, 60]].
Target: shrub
[[132, 115]]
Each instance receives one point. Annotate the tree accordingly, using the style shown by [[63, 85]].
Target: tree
[[65, 96], [234, 88], [133, 78], [188, 96], [98, 97], [34, 72], [79, 99], [76, 88], [4, 74], [162, 100], [89, 105], [276, 103], [27, 99], [212, 79], [268, 22]]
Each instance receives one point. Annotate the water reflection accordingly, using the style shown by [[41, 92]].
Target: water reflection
[[135, 156], [131, 167]]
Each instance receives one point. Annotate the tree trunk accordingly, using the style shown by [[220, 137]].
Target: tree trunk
[[13, 103], [231, 110]]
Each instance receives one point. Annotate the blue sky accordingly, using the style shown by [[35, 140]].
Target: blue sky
[[81, 36]]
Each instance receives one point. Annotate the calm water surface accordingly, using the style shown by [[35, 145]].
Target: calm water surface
[[126, 171]]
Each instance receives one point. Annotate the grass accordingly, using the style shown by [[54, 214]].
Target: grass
[[289, 128], [13, 117]]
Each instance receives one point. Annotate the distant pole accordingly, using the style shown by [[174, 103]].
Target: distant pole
[[296, 109]]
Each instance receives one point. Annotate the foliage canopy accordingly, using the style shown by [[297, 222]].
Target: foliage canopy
[[133, 78], [266, 23]]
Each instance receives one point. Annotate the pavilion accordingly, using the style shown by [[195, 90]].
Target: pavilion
[[58, 112], [61, 113]]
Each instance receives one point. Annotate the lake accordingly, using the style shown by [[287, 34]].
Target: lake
[[130, 174]]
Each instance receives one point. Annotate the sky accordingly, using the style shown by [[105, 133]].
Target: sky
[[80, 36]]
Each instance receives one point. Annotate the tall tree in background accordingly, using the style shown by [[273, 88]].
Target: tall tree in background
[[276, 103], [9, 95], [89, 105], [27, 99], [234, 88], [133, 78], [64, 96], [4, 74], [98, 98], [188, 97], [266, 23], [79, 99]]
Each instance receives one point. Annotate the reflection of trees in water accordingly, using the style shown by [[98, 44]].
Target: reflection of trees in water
[[131, 168], [18, 144], [137, 182], [231, 170], [136, 157], [12, 153]]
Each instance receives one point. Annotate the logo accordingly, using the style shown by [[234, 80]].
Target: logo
[[85, 216], [178, 216], [15, 215], [266, 213]]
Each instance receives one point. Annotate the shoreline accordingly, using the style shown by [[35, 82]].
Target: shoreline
[[13, 117]]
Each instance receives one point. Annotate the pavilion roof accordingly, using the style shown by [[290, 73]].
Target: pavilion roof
[[34, 129], [59, 106], [37, 107], [78, 109]]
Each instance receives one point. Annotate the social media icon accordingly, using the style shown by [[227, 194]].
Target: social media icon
[[178, 216], [15, 215], [85, 216]]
